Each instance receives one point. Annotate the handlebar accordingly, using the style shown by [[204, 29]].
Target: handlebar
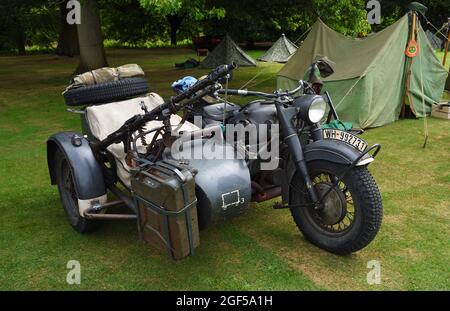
[[210, 79], [300, 86]]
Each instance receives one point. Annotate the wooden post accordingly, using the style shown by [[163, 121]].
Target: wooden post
[[446, 45]]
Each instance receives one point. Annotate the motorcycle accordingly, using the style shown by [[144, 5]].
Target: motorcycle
[[321, 175]]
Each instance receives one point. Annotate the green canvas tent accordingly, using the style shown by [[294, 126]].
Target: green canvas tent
[[280, 51], [373, 77], [226, 52]]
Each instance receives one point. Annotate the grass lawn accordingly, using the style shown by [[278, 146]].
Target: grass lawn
[[260, 250]]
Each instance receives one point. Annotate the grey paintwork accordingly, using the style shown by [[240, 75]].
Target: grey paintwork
[[223, 186], [86, 171], [257, 112]]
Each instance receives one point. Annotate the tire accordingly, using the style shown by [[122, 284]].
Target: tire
[[106, 92], [359, 188], [69, 199]]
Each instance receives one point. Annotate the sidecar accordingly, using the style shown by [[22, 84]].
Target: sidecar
[[170, 199]]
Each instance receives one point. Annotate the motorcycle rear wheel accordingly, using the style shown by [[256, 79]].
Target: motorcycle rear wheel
[[353, 211]]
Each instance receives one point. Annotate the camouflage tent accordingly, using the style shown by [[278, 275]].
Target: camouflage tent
[[226, 52], [280, 51]]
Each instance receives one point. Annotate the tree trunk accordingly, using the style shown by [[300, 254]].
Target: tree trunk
[[90, 38], [20, 41], [173, 35], [19, 36], [174, 23], [68, 36]]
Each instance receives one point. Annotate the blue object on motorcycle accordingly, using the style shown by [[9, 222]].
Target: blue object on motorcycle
[[183, 84]]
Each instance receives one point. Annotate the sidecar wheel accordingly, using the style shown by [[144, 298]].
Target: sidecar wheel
[[68, 196], [352, 214]]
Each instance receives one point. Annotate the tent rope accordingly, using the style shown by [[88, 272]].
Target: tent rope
[[302, 35], [348, 92], [425, 121], [254, 77], [262, 81], [438, 31]]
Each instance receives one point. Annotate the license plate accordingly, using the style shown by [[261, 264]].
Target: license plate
[[345, 137]]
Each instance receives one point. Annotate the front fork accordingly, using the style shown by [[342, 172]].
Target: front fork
[[290, 134]]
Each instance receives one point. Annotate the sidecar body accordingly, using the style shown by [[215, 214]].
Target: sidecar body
[[222, 187]]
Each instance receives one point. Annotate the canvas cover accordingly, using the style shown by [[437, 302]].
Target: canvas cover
[[280, 51], [107, 118], [372, 78], [106, 74], [226, 52]]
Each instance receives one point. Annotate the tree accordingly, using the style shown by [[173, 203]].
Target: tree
[[90, 38], [68, 36], [269, 19], [26, 22], [12, 18], [127, 22], [178, 12], [392, 10]]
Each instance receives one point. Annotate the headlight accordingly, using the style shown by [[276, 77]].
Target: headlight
[[317, 110], [311, 107]]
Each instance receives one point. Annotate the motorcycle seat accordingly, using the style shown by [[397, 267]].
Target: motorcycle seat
[[107, 118]]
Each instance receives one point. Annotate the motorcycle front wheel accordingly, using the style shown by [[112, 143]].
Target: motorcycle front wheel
[[352, 212]]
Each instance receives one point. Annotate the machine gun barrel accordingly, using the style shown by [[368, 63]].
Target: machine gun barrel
[[133, 124]]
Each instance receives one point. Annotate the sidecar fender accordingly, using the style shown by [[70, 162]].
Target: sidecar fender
[[86, 171]]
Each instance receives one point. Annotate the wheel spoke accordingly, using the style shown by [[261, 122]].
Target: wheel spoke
[[347, 199]]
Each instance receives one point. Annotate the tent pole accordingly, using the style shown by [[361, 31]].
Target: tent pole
[[446, 45], [408, 63]]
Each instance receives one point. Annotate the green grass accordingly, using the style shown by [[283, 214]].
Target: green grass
[[260, 250]]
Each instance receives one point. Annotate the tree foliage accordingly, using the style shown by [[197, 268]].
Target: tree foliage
[[392, 10], [189, 14], [268, 19], [38, 22], [28, 22], [127, 21]]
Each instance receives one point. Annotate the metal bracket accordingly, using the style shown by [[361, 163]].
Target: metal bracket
[[75, 111], [375, 147]]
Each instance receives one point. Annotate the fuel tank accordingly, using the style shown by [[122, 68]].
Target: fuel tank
[[256, 112]]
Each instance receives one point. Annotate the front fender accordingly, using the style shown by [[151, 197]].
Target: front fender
[[326, 150], [334, 151], [86, 171]]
